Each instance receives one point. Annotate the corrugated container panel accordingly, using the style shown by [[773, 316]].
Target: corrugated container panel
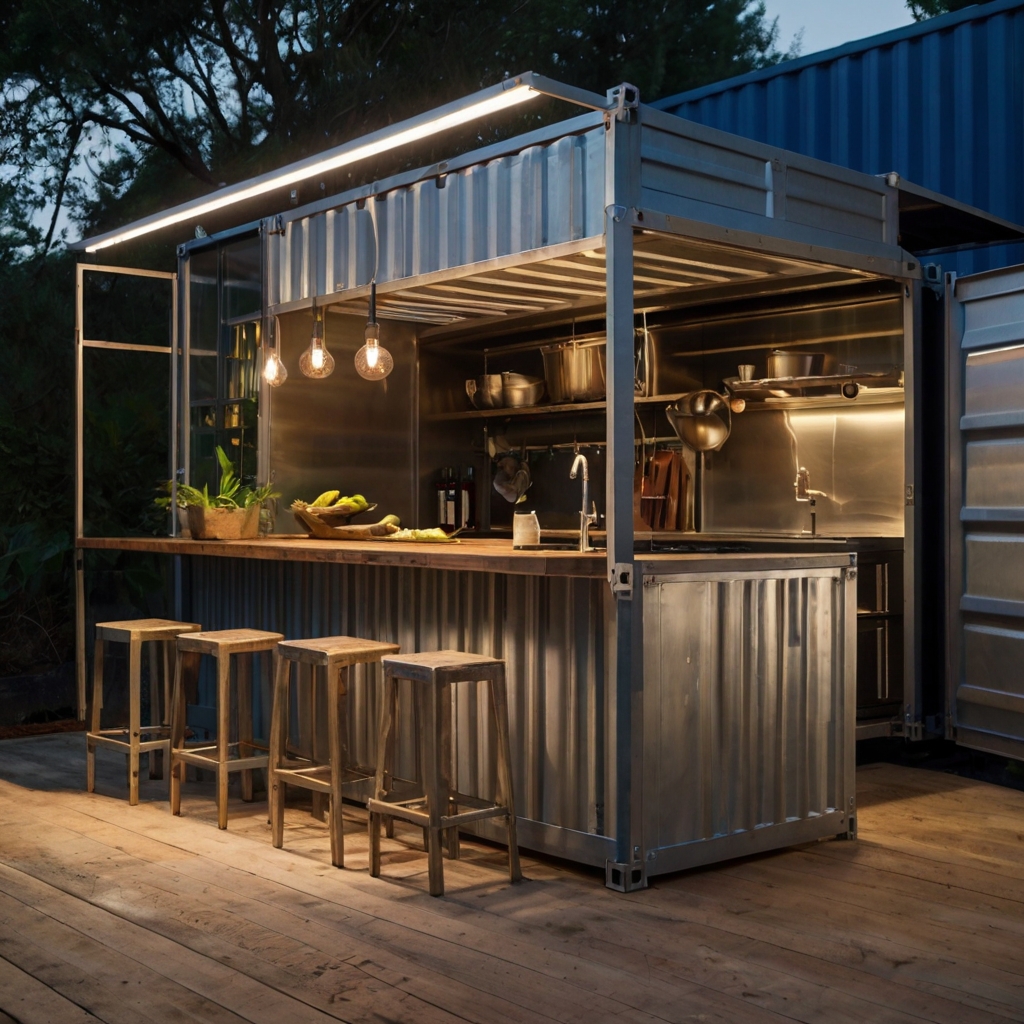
[[551, 631], [940, 102], [744, 703], [540, 196]]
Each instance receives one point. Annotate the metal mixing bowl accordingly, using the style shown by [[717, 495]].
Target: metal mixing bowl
[[702, 420], [519, 391], [485, 392]]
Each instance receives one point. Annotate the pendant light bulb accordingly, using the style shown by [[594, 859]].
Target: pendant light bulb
[[274, 372], [316, 361], [373, 362]]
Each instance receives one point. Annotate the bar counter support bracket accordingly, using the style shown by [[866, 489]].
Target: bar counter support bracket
[[622, 177]]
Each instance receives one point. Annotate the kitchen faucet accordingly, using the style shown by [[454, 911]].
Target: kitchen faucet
[[586, 518], [802, 485]]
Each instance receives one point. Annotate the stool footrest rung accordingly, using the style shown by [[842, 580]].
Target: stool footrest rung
[[109, 743], [317, 777], [206, 757], [404, 812]]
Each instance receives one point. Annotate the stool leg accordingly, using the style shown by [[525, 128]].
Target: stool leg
[[430, 700], [94, 724], [134, 717], [177, 709], [451, 836], [278, 741], [337, 725], [156, 763], [389, 755], [499, 701], [243, 675], [223, 736], [317, 693], [169, 661], [383, 778]]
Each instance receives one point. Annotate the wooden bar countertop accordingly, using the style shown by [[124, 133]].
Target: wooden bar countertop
[[481, 554], [473, 554]]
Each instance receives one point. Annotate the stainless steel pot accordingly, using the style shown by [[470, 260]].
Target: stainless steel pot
[[575, 370], [787, 363], [519, 391], [485, 392]]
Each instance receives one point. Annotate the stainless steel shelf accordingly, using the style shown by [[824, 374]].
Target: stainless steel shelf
[[545, 410]]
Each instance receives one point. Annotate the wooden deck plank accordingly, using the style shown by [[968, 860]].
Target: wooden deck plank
[[902, 926], [26, 1000]]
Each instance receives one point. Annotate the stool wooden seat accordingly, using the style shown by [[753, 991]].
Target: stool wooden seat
[[331, 658], [436, 810], [130, 739], [225, 756]]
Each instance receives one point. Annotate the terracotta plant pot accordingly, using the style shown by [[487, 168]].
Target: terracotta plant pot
[[223, 523]]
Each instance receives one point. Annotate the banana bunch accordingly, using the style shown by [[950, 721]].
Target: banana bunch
[[331, 499]]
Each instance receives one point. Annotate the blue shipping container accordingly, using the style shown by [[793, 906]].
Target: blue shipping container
[[940, 102]]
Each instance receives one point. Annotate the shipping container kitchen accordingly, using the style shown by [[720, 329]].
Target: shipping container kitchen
[[691, 690]]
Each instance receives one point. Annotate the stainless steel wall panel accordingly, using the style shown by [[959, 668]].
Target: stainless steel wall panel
[[941, 102], [745, 708], [550, 630]]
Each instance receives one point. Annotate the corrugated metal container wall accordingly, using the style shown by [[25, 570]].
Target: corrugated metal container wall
[[540, 196], [941, 102]]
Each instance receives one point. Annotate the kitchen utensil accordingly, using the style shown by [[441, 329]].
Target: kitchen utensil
[[519, 391], [485, 392], [645, 371], [795, 363], [702, 420], [575, 370], [525, 529], [746, 371], [512, 479]]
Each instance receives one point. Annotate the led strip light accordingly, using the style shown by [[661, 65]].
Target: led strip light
[[509, 93]]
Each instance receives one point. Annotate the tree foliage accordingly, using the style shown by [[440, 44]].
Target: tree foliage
[[924, 9], [208, 91]]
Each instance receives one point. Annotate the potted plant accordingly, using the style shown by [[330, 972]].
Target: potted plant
[[231, 514]]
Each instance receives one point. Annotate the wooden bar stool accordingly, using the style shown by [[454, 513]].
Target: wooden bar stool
[[220, 644], [129, 740], [436, 810], [331, 659]]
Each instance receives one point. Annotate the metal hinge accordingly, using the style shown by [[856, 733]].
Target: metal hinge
[[910, 494], [621, 580]]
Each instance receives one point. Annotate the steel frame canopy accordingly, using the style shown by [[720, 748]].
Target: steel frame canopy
[[506, 94]]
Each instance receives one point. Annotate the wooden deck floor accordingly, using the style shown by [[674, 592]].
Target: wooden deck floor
[[127, 914]]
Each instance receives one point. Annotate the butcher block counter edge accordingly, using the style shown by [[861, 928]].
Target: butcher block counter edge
[[479, 554]]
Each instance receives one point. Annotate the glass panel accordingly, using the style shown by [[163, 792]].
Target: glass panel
[[225, 301], [242, 278]]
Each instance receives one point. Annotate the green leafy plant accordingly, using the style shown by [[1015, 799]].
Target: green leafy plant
[[232, 493]]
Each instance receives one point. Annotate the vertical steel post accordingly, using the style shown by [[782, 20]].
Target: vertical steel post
[[79, 554], [912, 543], [622, 167]]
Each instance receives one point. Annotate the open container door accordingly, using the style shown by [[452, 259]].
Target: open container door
[[119, 314], [985, 333]]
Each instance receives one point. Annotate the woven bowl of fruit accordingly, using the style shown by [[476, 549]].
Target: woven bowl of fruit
[[334, 509]]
